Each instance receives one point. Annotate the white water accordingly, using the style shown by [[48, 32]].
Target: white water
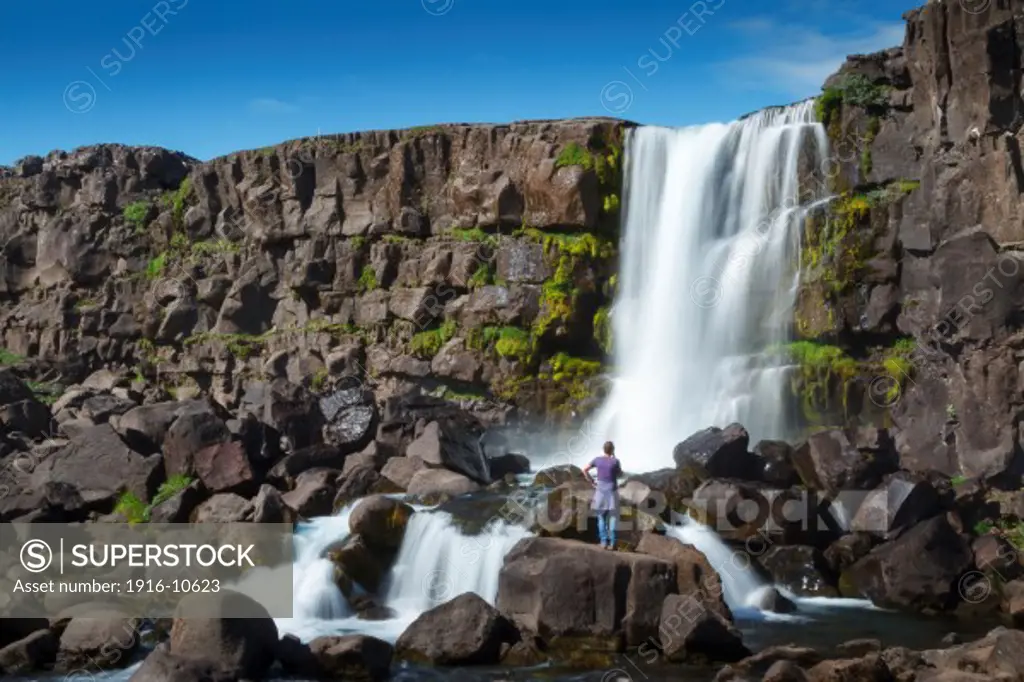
[[435, 563], [708, 280]]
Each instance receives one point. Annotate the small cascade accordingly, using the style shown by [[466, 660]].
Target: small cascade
[[437, 562], [742, 586], [317, 601]]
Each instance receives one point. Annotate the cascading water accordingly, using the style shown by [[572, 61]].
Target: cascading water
[[437, 562], [708, 279]]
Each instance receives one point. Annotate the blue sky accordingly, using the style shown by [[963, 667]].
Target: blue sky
[[208, 77]]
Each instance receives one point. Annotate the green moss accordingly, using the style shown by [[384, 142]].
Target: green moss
[[395, 239], [239, 345], [483, 276], [155, 268], [132, 508], [9, 358], [611, 203], [319, 380], [823, 371], [427, 344], [514, 343], [357, 242], [472, 234], [136, 214], [603, 330], [171, 487], [574, 155], [855, 90], [178, 202], [367, 279], [212, 247], [45, 393], [558, 293]]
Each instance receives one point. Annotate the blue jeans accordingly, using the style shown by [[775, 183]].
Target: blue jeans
[[606, 522]]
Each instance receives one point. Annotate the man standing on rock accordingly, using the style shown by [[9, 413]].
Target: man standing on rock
[[606, 495]]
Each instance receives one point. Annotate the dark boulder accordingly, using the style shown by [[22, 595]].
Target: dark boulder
[[695, 577], [225, 467], [800, 569], [919, 570], [238, 633], [902, 501], [179, 507], [314, 493], [37, 651], [350, 418], [454, 445], [98, 640], [511, 463], [145, 427], [776, 463], [163, 666], [573, 594], [381, 521], [695, 634], [828, 461], [322, 456], [717, 453], [464, 631], [351, 657], [190, 434], [100, 466]]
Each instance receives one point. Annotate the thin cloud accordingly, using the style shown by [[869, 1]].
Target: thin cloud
[[269, 105], [797, 59]]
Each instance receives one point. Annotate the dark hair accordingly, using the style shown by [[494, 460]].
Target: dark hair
[[609, 447]]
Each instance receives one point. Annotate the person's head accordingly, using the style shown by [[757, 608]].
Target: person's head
[[609, 448]]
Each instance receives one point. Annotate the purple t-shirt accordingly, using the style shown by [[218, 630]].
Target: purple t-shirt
[[608, 471]]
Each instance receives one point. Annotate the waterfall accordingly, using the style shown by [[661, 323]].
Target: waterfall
[[708, 279], [437, 562], [742, 587]]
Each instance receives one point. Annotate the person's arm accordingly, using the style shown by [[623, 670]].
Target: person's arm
[[618, 474], [586, 473]]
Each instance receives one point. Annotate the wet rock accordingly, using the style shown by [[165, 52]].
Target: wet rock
[[776, 460], [919, 570], [16, 629], [694, 574], [693, 633], [352, 657], [570, 593], [868, 669], [509, 464], [34, 652], [800, 569], [556, 476], [464, 631], [358, 561], [350, 417], [847, 550], [717, 453], [162, 666], [239, 634], [667, 492], [770, 599], [381, 521], [784, 671]]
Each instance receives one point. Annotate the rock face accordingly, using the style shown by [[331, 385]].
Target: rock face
[[372, 256], [569, 592]]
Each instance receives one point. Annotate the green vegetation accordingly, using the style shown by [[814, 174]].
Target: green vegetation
[[136, 214], [319, 380], [574, 155], [472, 234], [9, 358], [367, 279], [45, 393], [605, 159], [212, 247], [178, 201], [156, 266], [247, 345], [418, 131], [950, 412], [395, 239], [513, 343], [856, 90], [85, 303], [559, 293], [135, 510], [874, 125], [483, 276], [958, 480], [822, 370], [357, 242], [603, 330], [1011, 531], [427, 344]]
